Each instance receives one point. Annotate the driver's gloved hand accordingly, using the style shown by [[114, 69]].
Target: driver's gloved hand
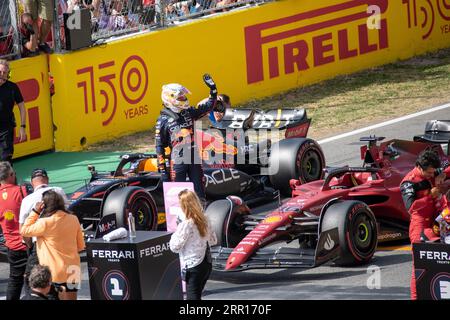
[[210, 83]]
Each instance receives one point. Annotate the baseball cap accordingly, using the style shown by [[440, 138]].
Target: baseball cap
[[39, 173]]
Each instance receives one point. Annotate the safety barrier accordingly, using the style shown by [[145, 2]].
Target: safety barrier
[[31, 75]]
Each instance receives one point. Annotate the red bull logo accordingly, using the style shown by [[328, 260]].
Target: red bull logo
[[333, 21], [182, 133], [214, 142]]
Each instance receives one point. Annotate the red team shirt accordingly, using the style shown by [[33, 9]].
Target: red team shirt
[[10, 199]]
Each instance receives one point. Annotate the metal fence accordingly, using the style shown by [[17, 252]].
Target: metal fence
[[178, 11], [9, 36], [113, 18]]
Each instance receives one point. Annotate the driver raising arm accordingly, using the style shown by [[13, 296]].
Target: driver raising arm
[[175, 129]]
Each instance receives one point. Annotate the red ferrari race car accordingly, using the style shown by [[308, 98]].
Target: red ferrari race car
[[341, 218]]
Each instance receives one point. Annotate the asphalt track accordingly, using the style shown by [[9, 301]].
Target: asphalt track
[[386, 278]]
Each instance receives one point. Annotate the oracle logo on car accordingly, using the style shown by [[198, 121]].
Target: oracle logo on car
[[30, 91], [297, 53]]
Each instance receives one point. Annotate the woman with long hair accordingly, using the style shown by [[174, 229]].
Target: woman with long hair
[[192, 240], [59, 241]]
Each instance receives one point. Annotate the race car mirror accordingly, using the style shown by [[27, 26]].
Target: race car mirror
[[107, 224]]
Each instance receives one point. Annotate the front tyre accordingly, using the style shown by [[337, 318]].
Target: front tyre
[[357, 228]]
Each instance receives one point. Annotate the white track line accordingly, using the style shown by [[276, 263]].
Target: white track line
[[386, 123]]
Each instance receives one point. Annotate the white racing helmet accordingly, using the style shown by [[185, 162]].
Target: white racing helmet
[[174, 97]]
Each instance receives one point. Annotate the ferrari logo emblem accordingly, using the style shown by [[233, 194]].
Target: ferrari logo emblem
[[5, 195], [272, 219], [161, 217], [9, 215]]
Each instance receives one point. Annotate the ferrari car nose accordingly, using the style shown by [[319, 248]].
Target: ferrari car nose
[[232, 263]]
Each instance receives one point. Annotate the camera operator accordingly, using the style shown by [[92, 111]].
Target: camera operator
[[40, 283]]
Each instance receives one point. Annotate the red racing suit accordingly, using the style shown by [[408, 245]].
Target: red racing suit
[[422, 207]]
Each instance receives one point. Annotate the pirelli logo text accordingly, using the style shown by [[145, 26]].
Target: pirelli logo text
[[314, 34], [30, 91]]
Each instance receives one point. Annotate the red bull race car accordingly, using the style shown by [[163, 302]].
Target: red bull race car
[[238, 168], [341, 218]]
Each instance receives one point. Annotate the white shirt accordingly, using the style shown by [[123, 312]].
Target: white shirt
[[30, 200], [189, 244]]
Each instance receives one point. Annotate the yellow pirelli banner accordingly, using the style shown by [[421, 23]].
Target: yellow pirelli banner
[[107, 91], [31, 75]]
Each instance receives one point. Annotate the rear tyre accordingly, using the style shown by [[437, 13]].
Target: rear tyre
[[296, 158], [226, 223], [136, 200], [357, 228]]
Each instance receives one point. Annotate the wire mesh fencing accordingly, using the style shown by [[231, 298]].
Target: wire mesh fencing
[[118, 17], [177, 11], [9, 37], [112, 18]]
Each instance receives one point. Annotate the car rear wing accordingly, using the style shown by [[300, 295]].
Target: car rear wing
[[294, 121]]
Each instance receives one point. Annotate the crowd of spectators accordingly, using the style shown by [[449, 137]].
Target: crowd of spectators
[[35, 19], [180, 9], [6, 30]]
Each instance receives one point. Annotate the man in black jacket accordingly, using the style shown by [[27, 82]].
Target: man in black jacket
[[9, 95]]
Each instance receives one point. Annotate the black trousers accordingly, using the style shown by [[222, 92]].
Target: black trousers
[[6, 143], [196, 278], [17, 264], [31, 262], [195, 174]]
